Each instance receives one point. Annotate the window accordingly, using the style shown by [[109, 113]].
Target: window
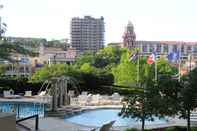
[[165, 48], [158, 47], [174, 49], [195, 48], [182, 49], [151, 48], [144, 48], [189, 49]]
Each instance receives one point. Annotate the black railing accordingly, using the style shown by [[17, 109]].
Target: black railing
[[36, 120]]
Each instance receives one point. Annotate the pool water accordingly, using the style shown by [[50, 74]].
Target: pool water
[[23, 109], [102, 116]]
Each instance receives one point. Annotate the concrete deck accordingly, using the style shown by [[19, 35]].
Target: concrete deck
[[57, 124], [25, 99]]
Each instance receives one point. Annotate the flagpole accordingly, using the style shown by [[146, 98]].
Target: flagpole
[[179, 65], [155, 68], [138, 67]]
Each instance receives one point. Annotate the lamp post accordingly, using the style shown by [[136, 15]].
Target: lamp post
[[55, 58], [1, 29]]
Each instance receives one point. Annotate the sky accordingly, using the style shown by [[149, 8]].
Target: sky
[[152, 19]]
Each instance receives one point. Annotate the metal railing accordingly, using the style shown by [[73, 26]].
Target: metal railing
[[30, 117], [23, 110]]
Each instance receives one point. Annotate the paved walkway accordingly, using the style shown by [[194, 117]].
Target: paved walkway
[[57, 124], [25, 99], [54, 124]]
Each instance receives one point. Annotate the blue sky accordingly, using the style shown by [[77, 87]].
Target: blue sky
[[152, 19]]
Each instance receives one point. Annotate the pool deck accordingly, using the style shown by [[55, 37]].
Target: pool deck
[[58, 124], [24, 99]]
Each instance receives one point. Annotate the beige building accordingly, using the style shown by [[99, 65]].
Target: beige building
[[87, 34], [49, 55]]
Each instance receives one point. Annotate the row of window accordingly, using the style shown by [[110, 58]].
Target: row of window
[[175, 48]]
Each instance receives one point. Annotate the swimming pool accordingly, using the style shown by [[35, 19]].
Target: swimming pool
[[23, 109], [99, 117]]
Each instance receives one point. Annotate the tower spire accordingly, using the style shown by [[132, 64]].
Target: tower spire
[[129, 36]]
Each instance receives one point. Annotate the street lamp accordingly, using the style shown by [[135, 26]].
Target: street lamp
[[55, 58], [2, 30]]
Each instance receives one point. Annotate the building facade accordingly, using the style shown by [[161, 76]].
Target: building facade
[[87, 34], [49, 55], [129, 37], [165, 47], [31, 44], [162, 48]]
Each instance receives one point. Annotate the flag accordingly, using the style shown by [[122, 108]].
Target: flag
[[174, 56], [151, 59], [133, 56], [170, 57], [178, 55]]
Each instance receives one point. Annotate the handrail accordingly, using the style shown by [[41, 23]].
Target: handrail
[[36, 120]]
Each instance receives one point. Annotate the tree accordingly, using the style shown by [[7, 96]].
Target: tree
[[125, 73], [85, 58], [108, 56], [188, 95], [145, 103], [139, 105], [2, 69], [7, 50], [56, 70], [168, 88]]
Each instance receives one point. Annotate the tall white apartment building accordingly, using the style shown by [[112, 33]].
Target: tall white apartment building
[[87, 34]]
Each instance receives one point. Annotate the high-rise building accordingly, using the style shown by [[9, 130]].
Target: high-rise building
[[129, 37], [87, 34]]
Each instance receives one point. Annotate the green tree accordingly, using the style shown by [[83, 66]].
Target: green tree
[[125, 73], [168, 88], [145, 103], [87, 68], [2, 69], [139, 104], [188, 95], [85, 58], [108, 56], [8, 49], [55, 70]]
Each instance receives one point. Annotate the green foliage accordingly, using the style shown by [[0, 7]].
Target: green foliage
[[145, 103], [188, 95], [2, 69], [18, 84], [6, 49], [108, 56], [87, 68], [105, 58], [132, 129], [85, 58], [189, 90], [56, 70], [124, 72]]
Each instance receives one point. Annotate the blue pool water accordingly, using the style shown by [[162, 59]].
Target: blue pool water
[[102, 116], [23, 109]]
